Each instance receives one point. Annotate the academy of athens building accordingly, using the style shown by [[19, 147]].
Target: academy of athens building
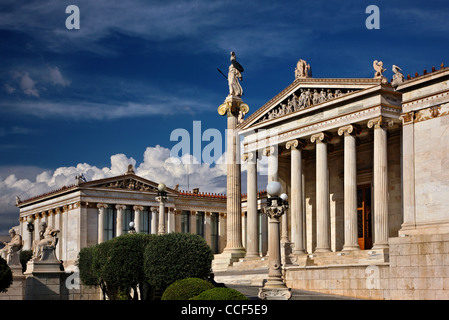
[[365, 164]]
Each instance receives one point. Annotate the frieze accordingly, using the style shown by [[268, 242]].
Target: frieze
[[305, 99], [430, 113], [128, 184]]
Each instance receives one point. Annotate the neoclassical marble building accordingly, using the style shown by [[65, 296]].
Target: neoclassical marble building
[[90, 212], [365, 165]]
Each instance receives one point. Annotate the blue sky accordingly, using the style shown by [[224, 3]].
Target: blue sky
[[112, 92]]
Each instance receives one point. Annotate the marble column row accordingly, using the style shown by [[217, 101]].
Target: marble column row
[[321, 139], [155, 225]]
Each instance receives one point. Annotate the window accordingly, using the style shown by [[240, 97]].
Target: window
[[200, 224], [214, 232], [128, 216], [109, 223], [185, 221], [145, 221]]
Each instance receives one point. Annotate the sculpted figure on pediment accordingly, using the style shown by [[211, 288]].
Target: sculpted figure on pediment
[[316, 97], [323, 96], [303, 69]]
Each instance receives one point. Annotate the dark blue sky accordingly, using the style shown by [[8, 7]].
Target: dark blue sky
[[136, 70]]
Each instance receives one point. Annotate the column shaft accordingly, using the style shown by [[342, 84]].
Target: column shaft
[[322, 194], [380, 177], [252, 218], [119, 221], [350, 188], [296, 202]]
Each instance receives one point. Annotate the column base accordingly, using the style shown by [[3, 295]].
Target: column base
[[266, 293], [224, 260], [322, 250], [351, 248], [377, 246]]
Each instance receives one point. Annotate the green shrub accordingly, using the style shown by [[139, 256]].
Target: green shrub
[[115, 265], [220, 294], [176, 256], [186, 288], [25, 256], [5, 275]]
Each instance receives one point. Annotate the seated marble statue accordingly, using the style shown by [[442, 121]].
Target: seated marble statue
[[47, 239], [14, 246]]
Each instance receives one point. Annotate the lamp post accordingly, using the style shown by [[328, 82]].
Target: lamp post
[[161, 197], [30, 228], [275, 288], [131, 227]]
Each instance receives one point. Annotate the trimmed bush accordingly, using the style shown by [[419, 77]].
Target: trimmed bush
[[115, 265], [176, 256], [5, 275], [220, 294], [186, 288]]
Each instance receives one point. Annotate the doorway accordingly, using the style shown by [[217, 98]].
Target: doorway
[[364, 221]]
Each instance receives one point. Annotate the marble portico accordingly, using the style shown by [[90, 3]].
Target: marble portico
[[321, 152]]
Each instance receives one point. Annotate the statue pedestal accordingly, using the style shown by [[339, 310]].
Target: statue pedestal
[[47, 264]]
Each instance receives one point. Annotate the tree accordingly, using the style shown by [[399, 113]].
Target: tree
[[176, 256], [5, 275], [115, 265]]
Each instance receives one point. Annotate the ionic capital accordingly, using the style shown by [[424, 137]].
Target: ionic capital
[[349, 129], [154, 209], [269, 151], [321, 137], [295, 144], [247, 156], [379, 122], [138, 208], [120, 207], [102, 205]]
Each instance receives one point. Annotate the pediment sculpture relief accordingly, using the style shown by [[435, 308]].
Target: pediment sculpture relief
[[306, 98]]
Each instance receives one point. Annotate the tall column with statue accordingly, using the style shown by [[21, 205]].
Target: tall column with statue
[[234, 108]]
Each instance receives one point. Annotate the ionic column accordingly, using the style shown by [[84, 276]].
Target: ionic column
[[171, 220], [380, 177], [273, 162], [154, 220], [350, 187], [252, 216], [322, 193], [119, 219], [296, 200], [101, 207], [137, 218]]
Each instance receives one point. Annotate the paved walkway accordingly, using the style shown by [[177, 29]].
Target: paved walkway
[[252, 291]]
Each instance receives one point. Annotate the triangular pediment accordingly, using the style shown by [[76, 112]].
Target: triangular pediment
[[306, 94], [129, 181]]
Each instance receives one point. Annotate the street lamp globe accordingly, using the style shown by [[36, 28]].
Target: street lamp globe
[[161, 187], [284, 197], [274, 189], [30, 219]]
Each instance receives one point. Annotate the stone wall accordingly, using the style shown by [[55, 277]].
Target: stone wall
[[419, 267], [418, 270]]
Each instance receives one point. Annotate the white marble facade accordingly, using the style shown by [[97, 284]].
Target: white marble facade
[[91, 212]]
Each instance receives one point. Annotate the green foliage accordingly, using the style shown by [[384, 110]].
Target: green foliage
[[25, 256], [185, 289], [5, 275], [176, 256], [87, 272], [115, 265], [220, 294]]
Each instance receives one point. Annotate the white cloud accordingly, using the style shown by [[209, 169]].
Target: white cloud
[[156, 166], [56, 77], [27, 84]]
